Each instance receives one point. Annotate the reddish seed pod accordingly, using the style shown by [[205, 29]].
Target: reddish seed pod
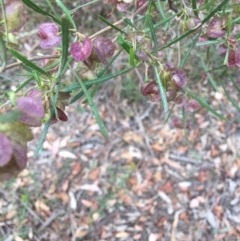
[[122, 6], [192, 105], [32, 111], [81, 51], [103, 49], [234, 58], [151, 89], [179, 78], [216, 28], [194, 22], [13, 148], [5, 150], [171, 94], [48, 32], [15, 15]]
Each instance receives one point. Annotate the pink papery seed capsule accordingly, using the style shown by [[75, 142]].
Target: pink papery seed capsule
[[177, 123], [103, 49], [61, 116], [151, 89], [48, 33], [17, 162], [141, 55], [222, 50], [36, 95], [32, 111], [192, 105], [81, 52], [171, 94], [5, 150], [181, 101], [15, 15], [179, 78], [234, 58], [122, 6], [216, 28], [194, 23]]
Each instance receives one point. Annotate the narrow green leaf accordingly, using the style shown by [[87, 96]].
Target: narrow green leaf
[[83, 5], [218, 8], [161, 88], [93, 92], [43, 135], [131, 57], [3, 52], [212, 81], [92, 105], [235, 84], [169, 114], [150, 2], [236, 20], [50, 4], [152, 31], [26, 82], [210, 42], [33, 6], [104, 69], [67, 13], [98, 80], [78, 95], [122, 42], [130, 23], [65, 68], [111, 25], [194, 7], [105, 78], [229, 25], [204, 104], [65, 42], [156, 25], [4, 20], [207, 5], [28, 63], [230, 98], [37, 78], [184, 58], [160, 9]]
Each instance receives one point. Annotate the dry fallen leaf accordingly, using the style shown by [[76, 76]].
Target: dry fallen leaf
[[73, 201], [122, 235], [41, 207], [194, 203], [131, 136], [91, 187], [153, 237], [67, 154], [77, 169]]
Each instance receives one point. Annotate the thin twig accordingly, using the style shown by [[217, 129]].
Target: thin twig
[[50, 219], [55, 56], [182, 159]]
